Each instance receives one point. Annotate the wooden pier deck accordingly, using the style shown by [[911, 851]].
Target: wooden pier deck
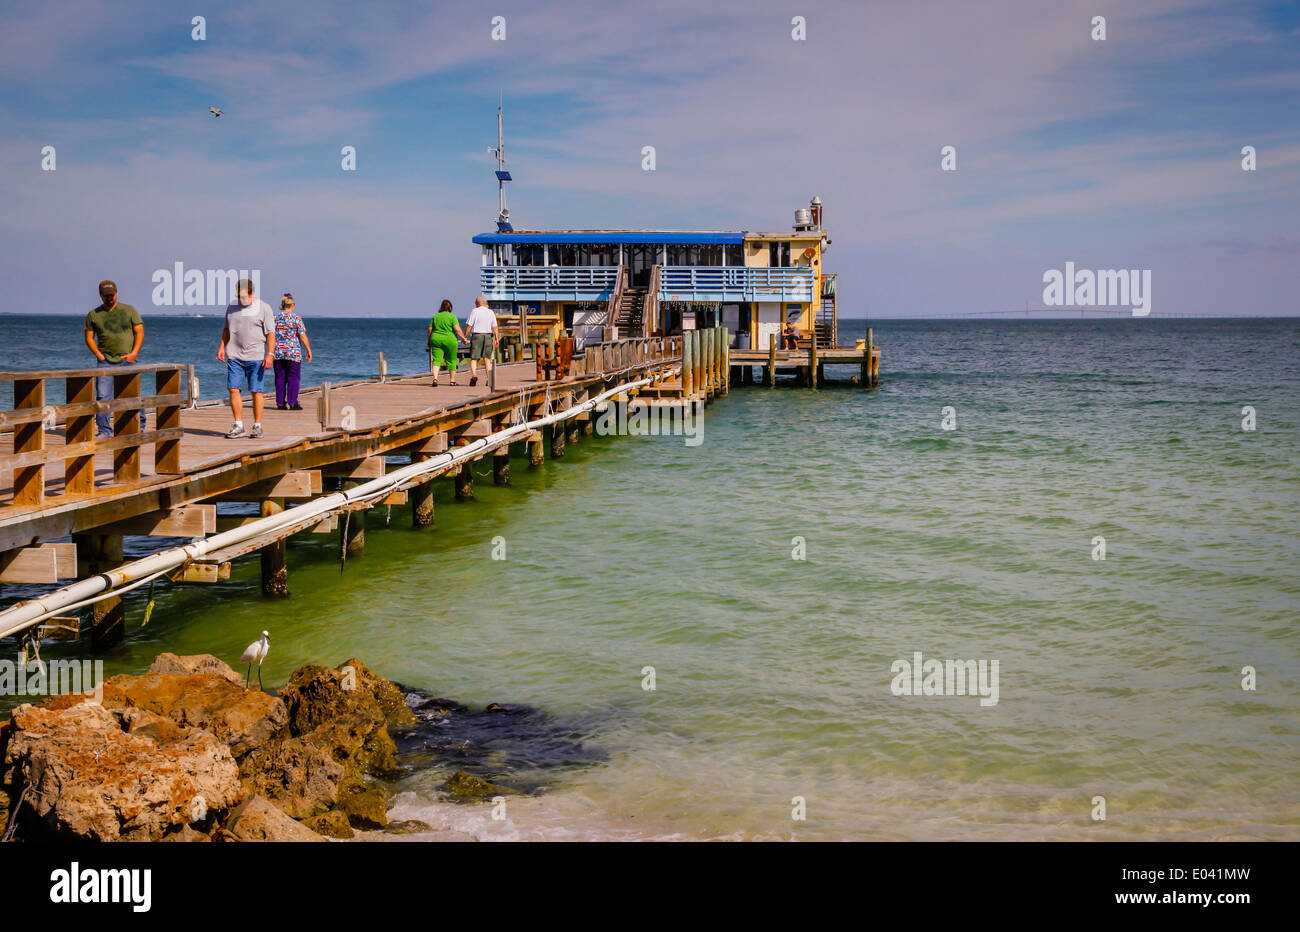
[[68, 498], [58, 480]]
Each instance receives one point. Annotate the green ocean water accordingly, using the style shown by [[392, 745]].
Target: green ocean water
[[1119, 678]]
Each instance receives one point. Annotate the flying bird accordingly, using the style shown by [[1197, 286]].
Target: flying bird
[[215, 111], [255, 653]]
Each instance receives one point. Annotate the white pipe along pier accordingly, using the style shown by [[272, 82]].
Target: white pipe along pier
[[139, 572]]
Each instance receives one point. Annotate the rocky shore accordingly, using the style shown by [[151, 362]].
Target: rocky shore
[[185, 753]]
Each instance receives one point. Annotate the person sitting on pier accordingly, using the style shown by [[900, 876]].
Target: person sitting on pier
[[248, 349], [445, 337], [790, 336]]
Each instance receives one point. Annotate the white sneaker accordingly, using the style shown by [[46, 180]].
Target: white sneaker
[[236, 431], [256, 432]]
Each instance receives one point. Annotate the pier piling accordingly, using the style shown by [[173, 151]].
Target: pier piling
[[465, 481], [275, 573], [97, 553], [421, 497], [353, 530]]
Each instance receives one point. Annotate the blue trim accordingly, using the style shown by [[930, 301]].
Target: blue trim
[[630, 238]]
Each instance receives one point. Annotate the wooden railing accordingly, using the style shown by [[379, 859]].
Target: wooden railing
[[621, 354], [650, 313], [610, 329], [30, 418]]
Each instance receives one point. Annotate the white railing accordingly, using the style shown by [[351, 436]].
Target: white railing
[[726, 283], [548, 283]]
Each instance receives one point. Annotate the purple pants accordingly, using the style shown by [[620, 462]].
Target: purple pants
[[287, 376]]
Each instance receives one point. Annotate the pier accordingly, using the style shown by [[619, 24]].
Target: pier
[[67, 499]]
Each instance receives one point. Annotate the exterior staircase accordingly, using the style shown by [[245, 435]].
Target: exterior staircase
[[629, 314]]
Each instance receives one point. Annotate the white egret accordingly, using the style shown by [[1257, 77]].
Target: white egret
[[255, 653], [215, 111]]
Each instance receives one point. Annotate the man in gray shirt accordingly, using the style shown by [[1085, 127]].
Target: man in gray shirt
[[248, 350]]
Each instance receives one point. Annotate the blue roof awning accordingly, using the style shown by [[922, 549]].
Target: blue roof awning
[[630, 237]]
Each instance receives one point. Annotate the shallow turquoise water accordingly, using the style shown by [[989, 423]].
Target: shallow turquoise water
[[1118, 678]]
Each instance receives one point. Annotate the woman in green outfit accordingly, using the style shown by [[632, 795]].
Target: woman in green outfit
[[445, 337]]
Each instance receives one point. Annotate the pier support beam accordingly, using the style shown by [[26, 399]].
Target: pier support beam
[[771, 360], [421, 497], [353, 541], [557, 441], [95, 554], [535, 449], [465, 481], [275, 572], [501, 467], [813, 365]]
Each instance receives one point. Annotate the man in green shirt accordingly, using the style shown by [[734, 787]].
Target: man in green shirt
[[114, 333]]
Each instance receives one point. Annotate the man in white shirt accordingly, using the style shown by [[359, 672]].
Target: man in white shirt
[[483, 337], [247, 348]]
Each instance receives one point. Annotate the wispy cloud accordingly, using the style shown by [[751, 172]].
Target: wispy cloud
[[1064, 143]]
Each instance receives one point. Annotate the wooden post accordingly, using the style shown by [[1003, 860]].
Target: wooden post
[[29, 481], [167, 453], [702, 362], [557, 441], [383, 367], [712, 359], [812, 360], [354, 541], [422, 497], [720, 358], [323, 405], [275, 574], [500, 458], [465, 481], [688, 368], [726, 357], [191, 396], [535, 452], [126, 461], [97, 553], [873, 373], [771, 360], [79, 471]]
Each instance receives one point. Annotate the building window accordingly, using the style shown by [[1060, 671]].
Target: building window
[[735, 254], [778, 255]]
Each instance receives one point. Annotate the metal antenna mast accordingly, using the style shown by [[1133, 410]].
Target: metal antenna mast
[[503, 212]]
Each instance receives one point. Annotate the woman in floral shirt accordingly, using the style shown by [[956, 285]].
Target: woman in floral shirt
[[290, 343]]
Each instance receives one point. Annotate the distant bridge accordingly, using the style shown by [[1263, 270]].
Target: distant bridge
[[1066, 313]]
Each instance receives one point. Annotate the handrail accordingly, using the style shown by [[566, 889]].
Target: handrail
[[30, 418], [616, 299], [575, 282], [687, 282], [17, 375], [650, 311]]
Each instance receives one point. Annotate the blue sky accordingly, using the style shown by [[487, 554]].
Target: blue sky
[[1116, 154]]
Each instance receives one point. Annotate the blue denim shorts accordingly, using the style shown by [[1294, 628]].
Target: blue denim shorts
[[239, 373]]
